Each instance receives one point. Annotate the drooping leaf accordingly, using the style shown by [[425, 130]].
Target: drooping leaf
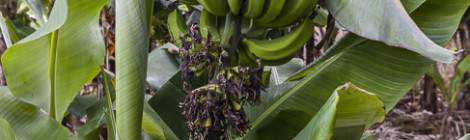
[[386, 21], [348, 41], [347, 106], [132, 44], [6, 132], [28, 121], [48, 70], [389, 72]]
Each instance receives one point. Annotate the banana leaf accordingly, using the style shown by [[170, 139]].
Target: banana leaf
[[386, 21], [389, 72], [348, 106], [48, 67], [29, 122]]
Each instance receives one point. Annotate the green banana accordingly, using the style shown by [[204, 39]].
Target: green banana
[[208, 23], [246, 58], [176, 26], [282, 47], [293, 10], [235, 6], [253, 9], [273, 9], [216, 7]]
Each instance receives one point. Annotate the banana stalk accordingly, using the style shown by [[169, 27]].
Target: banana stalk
[[132, 43]]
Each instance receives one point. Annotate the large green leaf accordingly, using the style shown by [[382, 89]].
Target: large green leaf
[[348, 41], [389, 72], [28, 121], [132, 44], [386, 21], [6, 132], [49, 67], [347, 106]]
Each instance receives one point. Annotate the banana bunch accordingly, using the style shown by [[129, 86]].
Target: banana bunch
[[260, 15], [266, 13]]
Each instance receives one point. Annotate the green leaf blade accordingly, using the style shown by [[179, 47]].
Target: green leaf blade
[[387, 21], [78, 58], [349, 106], [28, 121]]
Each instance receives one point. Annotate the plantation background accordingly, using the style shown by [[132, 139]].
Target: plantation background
[[422, 114]]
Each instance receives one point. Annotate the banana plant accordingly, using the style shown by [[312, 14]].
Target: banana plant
[[231, 73], [362, 57]]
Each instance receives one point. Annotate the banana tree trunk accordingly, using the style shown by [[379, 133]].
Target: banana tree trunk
[[132, 43]]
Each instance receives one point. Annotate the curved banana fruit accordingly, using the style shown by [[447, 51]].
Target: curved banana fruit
[[253, 9], [282, 47], [235, 6], [273, 9], [246, 58], [176, 26], [293, 10], [216, 7], [208, 25]]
